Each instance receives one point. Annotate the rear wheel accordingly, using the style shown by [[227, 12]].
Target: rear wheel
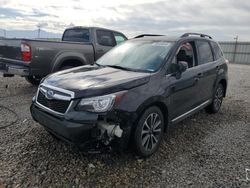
[[214, 107], [34, 80], [66, 67], [149, 132]]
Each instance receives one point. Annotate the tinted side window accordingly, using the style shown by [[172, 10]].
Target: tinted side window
[[204, 51], [217, 51], [76, 35], [119, 38], [105, 38]]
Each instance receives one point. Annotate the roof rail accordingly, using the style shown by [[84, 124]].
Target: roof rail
[[199, 34], [146, 35]]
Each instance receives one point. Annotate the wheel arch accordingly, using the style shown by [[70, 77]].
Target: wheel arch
[[71, 62], [154, 102], [224, 84], [68, 59]]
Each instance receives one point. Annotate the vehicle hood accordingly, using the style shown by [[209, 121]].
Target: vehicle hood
[[90, 80]]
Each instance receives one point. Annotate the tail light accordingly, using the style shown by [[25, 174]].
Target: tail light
[[26, 52]]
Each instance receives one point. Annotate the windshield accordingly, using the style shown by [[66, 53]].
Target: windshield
[[137, 55]]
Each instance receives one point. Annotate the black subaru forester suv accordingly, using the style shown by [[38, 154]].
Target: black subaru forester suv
[[134, 92]]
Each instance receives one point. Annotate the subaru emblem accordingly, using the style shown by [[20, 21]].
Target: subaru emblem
[[49, 94]]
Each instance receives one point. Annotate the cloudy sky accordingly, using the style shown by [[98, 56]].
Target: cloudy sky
[[224, 19]]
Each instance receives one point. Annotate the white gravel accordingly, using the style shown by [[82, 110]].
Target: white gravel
[[202, 151]]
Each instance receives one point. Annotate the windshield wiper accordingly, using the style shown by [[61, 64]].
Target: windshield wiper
[[97, 64], [127, 69], [119, 67]]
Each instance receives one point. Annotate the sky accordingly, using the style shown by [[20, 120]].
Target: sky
[[223, 19]]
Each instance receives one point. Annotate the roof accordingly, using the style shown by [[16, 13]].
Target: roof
[[158, 38], [83, 27]]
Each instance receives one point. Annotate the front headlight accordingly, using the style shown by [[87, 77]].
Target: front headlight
[[100, 103]]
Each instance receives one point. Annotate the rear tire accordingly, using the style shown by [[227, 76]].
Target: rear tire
[[34, 80], [149, 132], [214, 107], [66, 67]]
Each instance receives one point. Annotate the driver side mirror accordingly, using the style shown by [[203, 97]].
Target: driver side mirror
[[183, 65], [178, 68]]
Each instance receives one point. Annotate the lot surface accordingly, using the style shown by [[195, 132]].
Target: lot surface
[[202, 151]]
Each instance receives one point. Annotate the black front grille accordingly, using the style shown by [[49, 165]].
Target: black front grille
[[53, 104]]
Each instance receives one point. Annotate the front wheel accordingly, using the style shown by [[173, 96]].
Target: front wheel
[[149, 132], [214, 107], [34, 80]]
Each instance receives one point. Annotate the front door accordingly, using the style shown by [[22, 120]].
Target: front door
[[183, 94]]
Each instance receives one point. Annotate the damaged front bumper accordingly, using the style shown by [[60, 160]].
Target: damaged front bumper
[[113, 129]]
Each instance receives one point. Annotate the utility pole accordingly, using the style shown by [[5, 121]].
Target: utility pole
[[39, 30], [235, 47]]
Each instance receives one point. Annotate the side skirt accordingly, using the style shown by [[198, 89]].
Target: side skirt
[[191, 112]]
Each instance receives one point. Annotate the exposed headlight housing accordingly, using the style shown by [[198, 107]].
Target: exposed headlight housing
[[99, 104]]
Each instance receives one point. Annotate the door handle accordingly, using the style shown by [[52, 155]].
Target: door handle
[[200, 75], [217, 68], [172, 88]]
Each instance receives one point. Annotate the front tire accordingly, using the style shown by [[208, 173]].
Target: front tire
[[34, 80], [214, 107], [149, 132]]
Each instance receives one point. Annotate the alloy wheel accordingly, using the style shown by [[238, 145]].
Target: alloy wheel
[[218, 98], [151, 131]]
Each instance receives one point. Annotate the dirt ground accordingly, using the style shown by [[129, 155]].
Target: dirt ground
[[202, 151]]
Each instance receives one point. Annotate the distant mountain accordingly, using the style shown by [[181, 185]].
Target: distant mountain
[[29, 34]]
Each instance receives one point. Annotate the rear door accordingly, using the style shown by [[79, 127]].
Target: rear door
[[207, 66], [105, 40]]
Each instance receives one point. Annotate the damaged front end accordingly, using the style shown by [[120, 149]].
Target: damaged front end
[[87, 131], [105, 136], [87, 122], [110, 133]]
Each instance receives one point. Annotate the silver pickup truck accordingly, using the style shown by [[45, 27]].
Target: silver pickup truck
[[34, 59]]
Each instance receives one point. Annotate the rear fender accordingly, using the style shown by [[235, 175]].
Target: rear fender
[[66, 57], [222, 76]]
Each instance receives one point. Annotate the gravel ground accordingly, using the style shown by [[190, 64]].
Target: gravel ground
[[202, 151]]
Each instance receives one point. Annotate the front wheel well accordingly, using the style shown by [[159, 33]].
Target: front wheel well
[[163, 109]]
